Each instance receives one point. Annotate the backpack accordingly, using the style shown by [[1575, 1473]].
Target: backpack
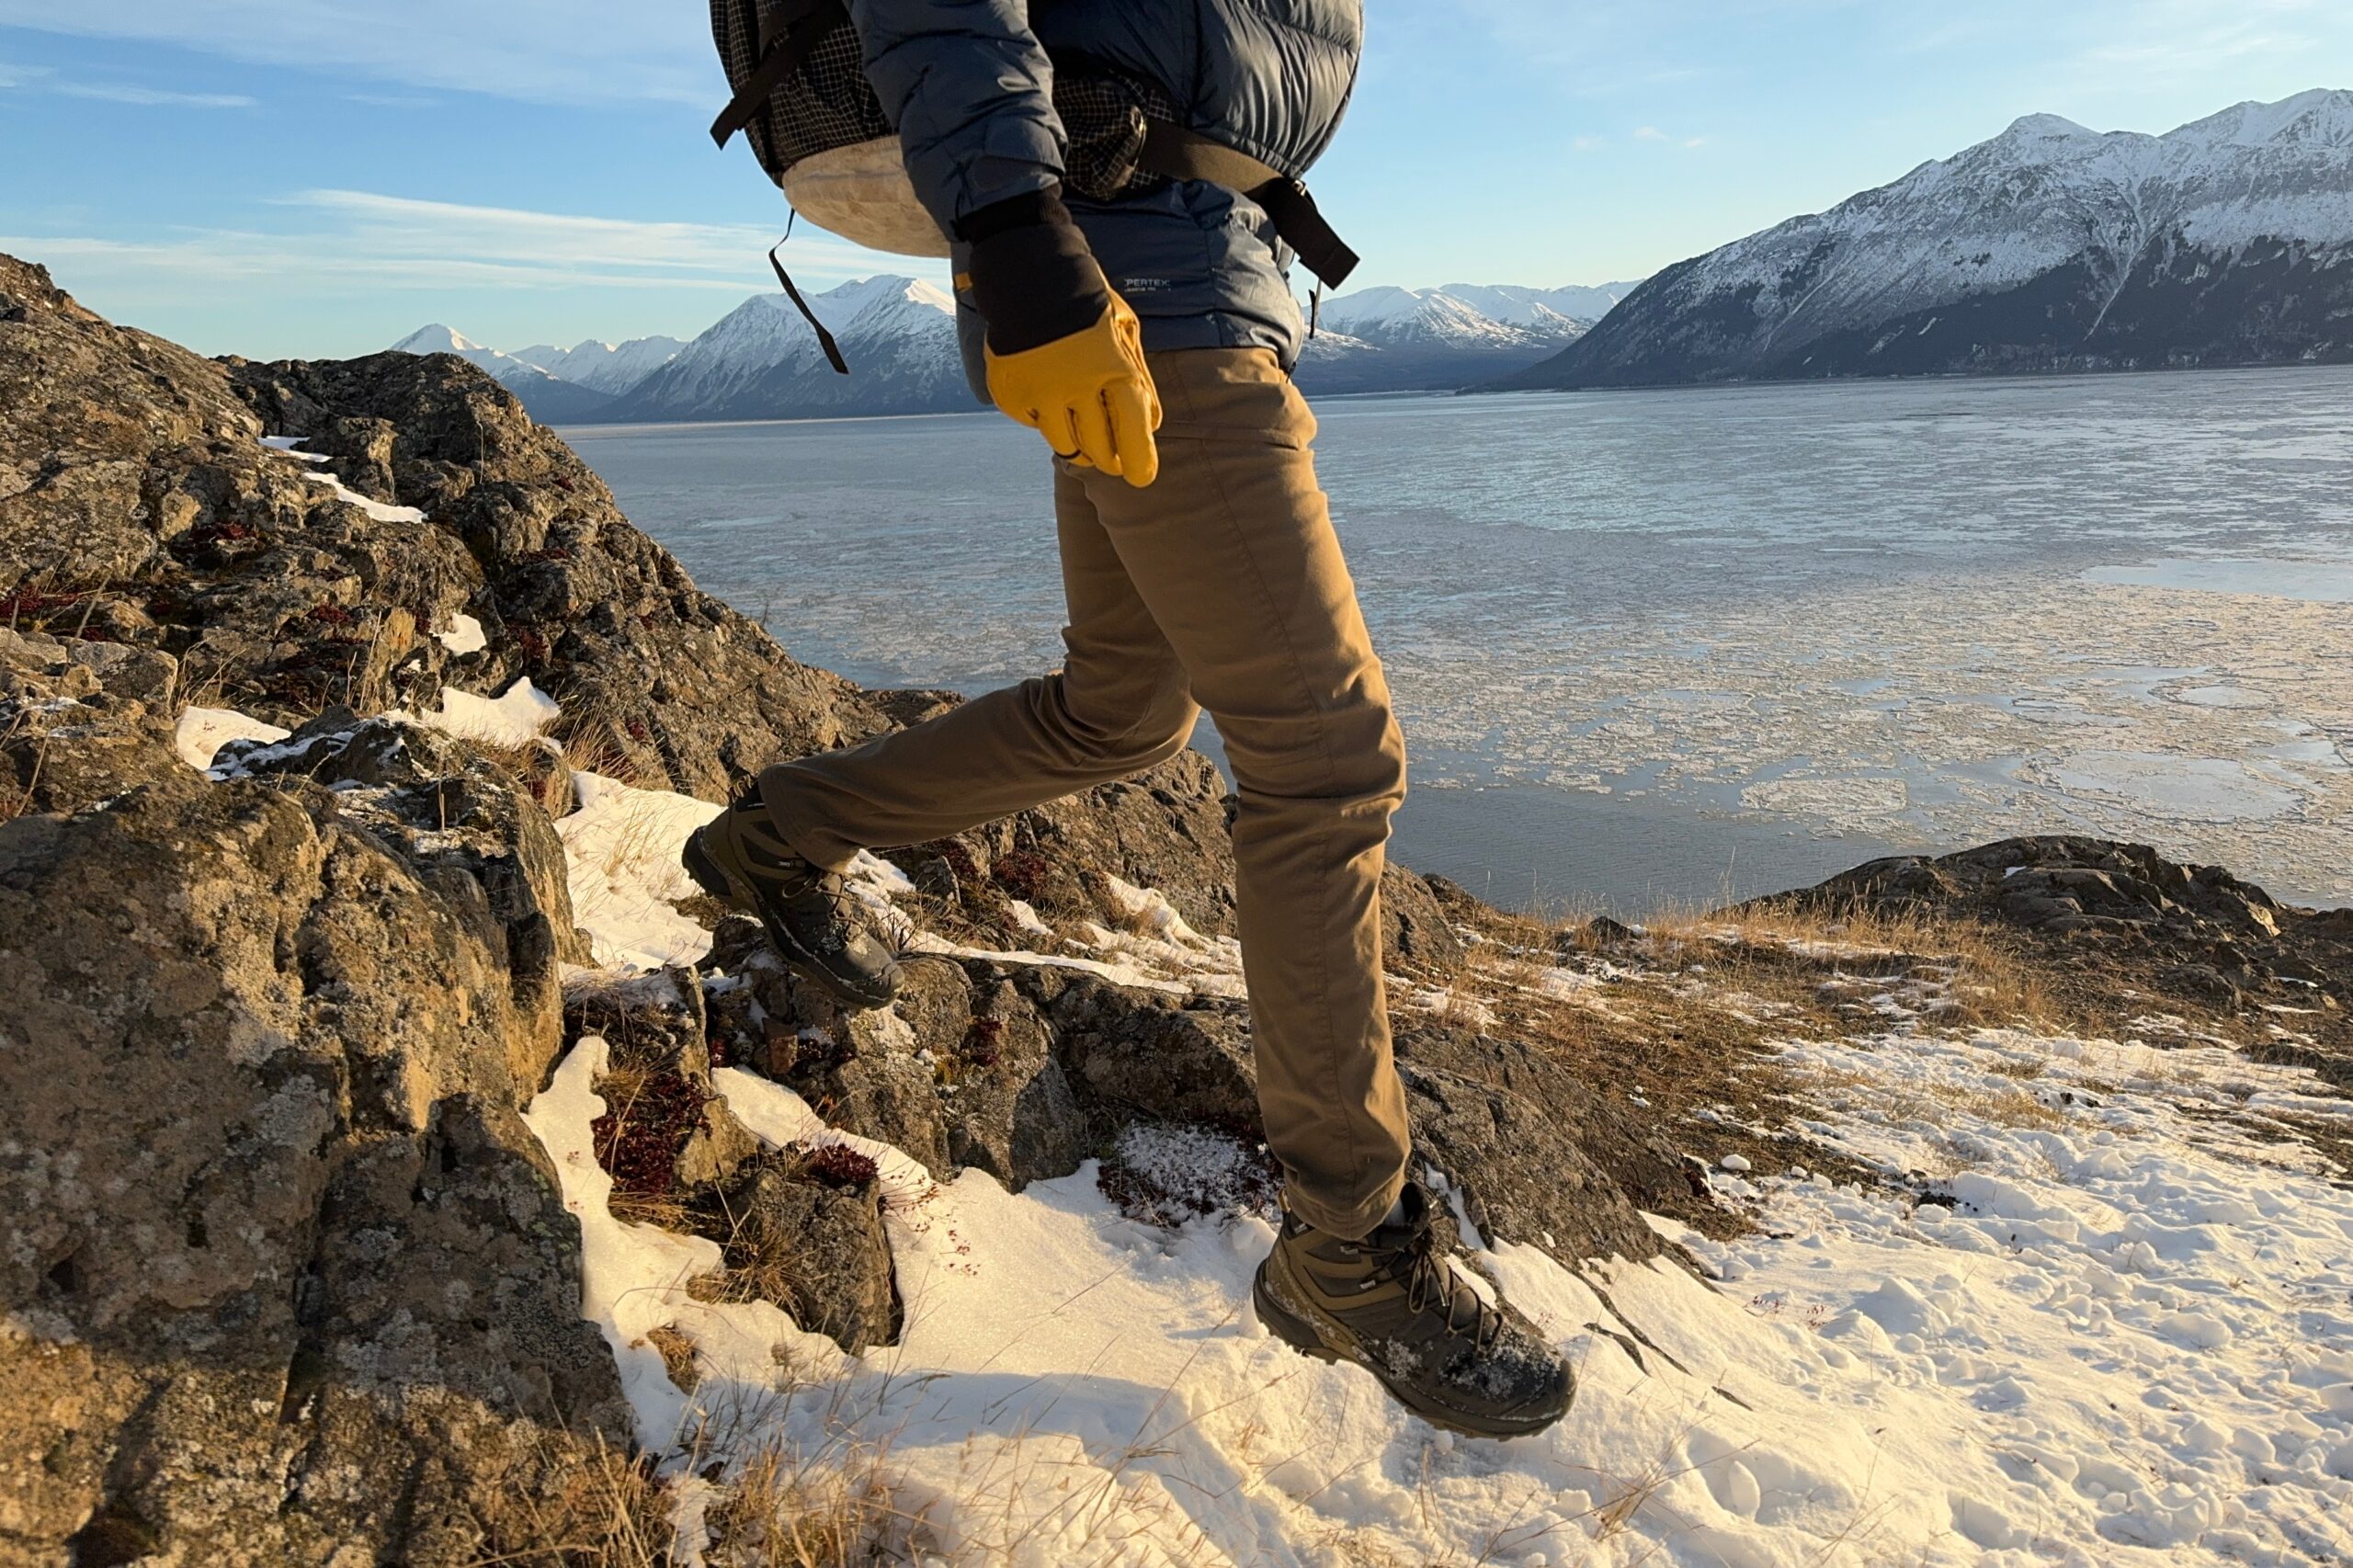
[[802, 100]]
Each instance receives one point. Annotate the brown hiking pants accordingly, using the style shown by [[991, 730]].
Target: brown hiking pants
[[1220, 585]]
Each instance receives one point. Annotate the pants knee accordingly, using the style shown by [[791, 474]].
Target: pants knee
[[1351, 753], [1131, 743]]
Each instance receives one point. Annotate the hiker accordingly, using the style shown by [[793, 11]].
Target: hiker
[[1120, 265]]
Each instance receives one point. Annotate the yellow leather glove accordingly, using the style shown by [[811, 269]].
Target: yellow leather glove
[[1089, 395], [1064, 353]]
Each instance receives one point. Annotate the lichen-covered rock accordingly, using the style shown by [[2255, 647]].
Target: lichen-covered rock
[[1541, 1159], [470, 827], [1169, 1058], [666, 1130], [1012, 1111], [805, 1232], [274, 1229], [659, 680], [81, 722], [1416, 934]]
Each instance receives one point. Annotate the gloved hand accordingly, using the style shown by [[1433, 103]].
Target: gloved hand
[[1065, 352]]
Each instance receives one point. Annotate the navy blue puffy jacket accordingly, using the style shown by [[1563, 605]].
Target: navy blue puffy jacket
[[968, 87]]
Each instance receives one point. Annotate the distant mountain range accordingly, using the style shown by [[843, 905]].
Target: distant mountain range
[[1437, 339], [2051, 247], [761, 361]]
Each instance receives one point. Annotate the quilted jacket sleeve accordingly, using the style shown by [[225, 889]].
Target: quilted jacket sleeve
[[970, 93]]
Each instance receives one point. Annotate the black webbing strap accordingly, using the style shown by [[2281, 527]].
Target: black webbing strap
[[1179, 154], [825, 339], [778, 60]]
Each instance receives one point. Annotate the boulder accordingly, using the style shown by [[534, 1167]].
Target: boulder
[[804, 1230], [1013, 1112], [81, 722], [1415, 933], [1144, 1053], [469, 827], [281, 1250], [1540, 1159], [666, 1130]]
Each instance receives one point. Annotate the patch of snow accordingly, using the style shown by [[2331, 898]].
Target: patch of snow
[[465, 636], [622, 847], [380, 511], [202, 732], [515, 717], [1119, 972], [777, 1115]]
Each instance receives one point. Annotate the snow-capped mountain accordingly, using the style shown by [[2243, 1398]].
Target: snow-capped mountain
[[1433, 318], [439, 339], [1391, 339], [1516, 304], [609, 367], [2229, 241], [544, 395], [761, 361]]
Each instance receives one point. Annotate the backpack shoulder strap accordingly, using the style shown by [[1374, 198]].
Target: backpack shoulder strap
[[779, 58]]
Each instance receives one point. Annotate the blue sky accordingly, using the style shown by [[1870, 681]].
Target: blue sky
[[320, 177]]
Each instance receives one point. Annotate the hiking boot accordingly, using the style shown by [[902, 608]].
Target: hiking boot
[[1397, 1304], [813, 921]]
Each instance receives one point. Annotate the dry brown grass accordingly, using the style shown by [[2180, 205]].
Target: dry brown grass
[[603, 732], [1687, 1013], [828, 1509], [541, 766], [587, 1507], [1977, 973]]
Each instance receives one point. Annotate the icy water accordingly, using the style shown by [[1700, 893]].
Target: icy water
[[1655, 645]]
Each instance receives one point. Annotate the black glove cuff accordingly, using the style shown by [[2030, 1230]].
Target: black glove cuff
[[1033, 279]]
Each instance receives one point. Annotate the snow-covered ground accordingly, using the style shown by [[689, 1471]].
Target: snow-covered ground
[[2102, 1311]]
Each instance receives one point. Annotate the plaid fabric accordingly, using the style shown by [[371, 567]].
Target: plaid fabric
[[827, 103], [1104, 115]]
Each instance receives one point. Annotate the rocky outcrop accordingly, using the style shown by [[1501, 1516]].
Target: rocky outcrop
[[2131, 932], [280, 1252]]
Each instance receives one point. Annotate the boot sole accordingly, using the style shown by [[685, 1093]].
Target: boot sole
[[710, 876], [1304, 1335]]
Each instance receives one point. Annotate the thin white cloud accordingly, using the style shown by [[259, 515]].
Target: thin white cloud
[[118, 93], [348, 239], [542, 51]]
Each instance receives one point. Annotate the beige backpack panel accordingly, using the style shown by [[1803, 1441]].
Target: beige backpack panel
[[861, 193]]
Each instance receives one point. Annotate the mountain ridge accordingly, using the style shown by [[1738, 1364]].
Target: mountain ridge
[[761, 361], [2049, 246]]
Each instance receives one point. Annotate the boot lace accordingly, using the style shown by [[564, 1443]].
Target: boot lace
[[1423, 1263]]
